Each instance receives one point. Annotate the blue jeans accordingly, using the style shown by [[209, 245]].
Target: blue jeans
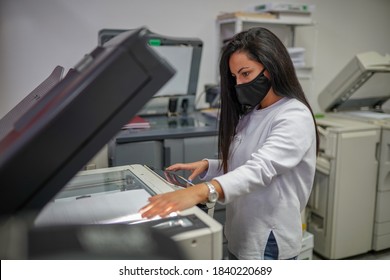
[[271, 250]]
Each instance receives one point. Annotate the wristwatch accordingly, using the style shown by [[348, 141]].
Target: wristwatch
[[213, 194]]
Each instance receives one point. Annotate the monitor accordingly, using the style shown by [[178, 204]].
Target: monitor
[[56, 137], [183, 54]]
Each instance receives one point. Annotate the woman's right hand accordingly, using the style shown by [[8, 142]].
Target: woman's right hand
[[196, 168]]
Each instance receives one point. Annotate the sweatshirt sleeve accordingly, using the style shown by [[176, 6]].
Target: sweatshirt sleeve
[[291, 135], [212, 171]]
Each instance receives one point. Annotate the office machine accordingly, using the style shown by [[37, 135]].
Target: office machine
[[362, 84], [177, 96], [115, 195], [50, 142], [340, 210], [360, 92]]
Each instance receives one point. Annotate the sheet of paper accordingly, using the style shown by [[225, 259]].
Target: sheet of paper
[[96, 209]]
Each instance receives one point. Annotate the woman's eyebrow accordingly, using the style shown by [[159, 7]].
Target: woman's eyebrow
[[242, 68]]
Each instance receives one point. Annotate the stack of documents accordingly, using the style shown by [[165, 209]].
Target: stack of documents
[[284, 7], [297, 56], [136, 123], [293, 12]]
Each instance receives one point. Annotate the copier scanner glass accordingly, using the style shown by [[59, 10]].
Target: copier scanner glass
[[113, 196], [98, 198]]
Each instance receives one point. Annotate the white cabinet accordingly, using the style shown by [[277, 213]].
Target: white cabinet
[[293, 32]]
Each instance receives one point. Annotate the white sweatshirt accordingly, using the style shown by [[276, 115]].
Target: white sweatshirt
[[271, 172]]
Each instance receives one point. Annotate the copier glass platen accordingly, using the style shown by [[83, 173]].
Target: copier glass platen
[[361, 92], [114, 196]]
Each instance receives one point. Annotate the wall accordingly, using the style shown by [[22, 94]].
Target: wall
[[37, 35]]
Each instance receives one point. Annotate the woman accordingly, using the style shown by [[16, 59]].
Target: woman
[[267, 145]]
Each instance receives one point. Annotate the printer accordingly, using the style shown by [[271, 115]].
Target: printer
[[360, 91], [49, 208]]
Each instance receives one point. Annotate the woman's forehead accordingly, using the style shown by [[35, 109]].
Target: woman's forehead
[[240, 60]]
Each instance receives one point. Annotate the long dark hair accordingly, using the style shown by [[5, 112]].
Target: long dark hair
[[263, 46]]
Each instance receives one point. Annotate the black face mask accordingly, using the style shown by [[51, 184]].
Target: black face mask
[[252, 93]]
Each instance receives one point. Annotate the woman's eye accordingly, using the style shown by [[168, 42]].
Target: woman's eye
[[245, 74]]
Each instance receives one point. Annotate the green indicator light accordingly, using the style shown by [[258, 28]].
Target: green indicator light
[[319, 116], [155, 42]]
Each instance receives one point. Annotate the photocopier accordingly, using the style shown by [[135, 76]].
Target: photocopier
[[53, 209], [350, 203]]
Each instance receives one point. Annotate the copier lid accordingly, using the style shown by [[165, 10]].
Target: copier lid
[[363, 83], [53, 139]]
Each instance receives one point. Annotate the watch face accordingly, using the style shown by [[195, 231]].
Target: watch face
[[213, 196]]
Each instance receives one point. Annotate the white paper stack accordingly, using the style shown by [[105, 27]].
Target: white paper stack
[[283, 7], [297, 56], [292, 12]]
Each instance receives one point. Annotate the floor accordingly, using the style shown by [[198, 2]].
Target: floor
[[373, 255]]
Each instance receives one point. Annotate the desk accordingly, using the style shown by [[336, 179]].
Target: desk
[[184, 138]]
